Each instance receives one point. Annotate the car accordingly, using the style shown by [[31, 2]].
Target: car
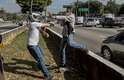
[[91, 22], [19, 23], [110, 22], [1, 20], [107, 22], [113, 47], [119, 22]]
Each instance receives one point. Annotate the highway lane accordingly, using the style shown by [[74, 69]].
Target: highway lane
[[90, 36], [7, 26]]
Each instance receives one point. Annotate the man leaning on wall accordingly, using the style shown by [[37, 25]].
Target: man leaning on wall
[[68, 37]]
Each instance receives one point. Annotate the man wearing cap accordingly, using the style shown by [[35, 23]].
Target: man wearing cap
[[67, 37], [33, 42]]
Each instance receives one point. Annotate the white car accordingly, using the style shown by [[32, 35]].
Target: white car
[[1, 20], [92, 22], [113, 47]]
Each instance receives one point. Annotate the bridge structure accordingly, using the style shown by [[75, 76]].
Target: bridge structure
[[89, 66]]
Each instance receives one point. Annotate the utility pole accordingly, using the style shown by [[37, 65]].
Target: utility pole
[[102, 10], [46, 7], [88, 7], [77, 8], [31, 6]]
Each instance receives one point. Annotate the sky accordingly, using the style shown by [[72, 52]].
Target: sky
[[10, 6], [56, 6]]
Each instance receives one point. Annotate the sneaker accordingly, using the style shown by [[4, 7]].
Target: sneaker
[[63, 69]]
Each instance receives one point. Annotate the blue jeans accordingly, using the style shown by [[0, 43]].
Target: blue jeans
[[37, 54], [68, 40]]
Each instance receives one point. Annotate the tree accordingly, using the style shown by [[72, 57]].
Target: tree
[[94, 6], [2, 12], [38, 5], [121, 10], [112, 7]]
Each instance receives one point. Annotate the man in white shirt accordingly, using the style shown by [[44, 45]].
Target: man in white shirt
[[33, 43]]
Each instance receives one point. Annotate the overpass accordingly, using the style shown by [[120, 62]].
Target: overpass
[[5, 26], [91, 65]]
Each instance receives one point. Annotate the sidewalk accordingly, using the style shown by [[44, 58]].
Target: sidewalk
[[19, 65]]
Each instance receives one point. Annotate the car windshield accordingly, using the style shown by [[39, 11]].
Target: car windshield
[[120, 37]]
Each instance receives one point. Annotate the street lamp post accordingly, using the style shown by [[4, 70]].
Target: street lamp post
[[102, 8], [77, 8], [46, 7], [31, 6], [88, 7]]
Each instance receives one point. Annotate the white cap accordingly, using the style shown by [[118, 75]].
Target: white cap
[[37, 15]]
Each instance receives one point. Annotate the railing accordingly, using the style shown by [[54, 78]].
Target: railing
[[94, 66], [8, 36], [5, 39]]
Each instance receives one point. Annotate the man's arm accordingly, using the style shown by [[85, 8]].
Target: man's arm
[[42, 29], [45, 25], [56, 17]]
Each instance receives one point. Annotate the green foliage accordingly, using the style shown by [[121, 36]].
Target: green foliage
[[37, 4], [93, 7], [111, 7], [121, 10]]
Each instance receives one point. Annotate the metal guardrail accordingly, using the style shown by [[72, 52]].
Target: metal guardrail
[[5, 39], [95, 67]]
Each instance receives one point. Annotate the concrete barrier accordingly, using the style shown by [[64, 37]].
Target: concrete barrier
[[8, 36], [5, 39], [94, 66]]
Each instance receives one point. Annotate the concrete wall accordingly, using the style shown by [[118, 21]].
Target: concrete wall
[[8, 36], [94, 66], [5, 39]]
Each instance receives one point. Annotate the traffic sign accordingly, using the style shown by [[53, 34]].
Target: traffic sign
[[83, 9]]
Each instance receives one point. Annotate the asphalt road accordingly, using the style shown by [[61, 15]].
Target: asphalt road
[[90, 36], [7, 26]]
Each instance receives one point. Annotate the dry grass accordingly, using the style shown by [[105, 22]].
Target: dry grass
[[19, 65]]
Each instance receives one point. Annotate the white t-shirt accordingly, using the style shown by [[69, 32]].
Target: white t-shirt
[[33, 33]]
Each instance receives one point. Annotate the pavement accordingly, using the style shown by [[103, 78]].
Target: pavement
[[7, 26]]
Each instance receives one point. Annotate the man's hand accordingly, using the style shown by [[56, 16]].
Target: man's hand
[[45, 34], [45, 24]]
